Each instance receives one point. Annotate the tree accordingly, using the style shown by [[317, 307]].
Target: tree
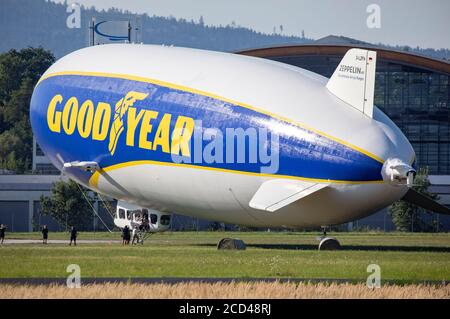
[[19, 72], [68, 206], [11, 148], [409, 217]]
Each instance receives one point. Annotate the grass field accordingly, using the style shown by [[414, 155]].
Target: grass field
[[403, 258]]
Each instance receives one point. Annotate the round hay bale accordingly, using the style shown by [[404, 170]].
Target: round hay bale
[[231, 243]]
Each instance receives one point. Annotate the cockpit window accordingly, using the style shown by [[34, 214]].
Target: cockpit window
[[165, 220], [153, 218], [121, 213]]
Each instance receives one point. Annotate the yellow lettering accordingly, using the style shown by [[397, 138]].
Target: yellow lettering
[[101, 121], [146, 128], [162, 134], [133, 121], [85, 118], [182, 133], [69, 115], [53, 117]]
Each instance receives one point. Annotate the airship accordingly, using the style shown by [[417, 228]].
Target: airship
[[223, 137]]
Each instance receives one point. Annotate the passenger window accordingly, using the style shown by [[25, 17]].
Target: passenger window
[[165, 220], [153, 218], [128, 214], [135, 214], [121, 213]]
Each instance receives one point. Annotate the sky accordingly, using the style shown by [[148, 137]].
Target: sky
[[424, 23]]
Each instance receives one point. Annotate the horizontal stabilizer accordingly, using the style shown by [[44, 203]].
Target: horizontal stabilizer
[[421, 200], [354, 80], [275, 194]]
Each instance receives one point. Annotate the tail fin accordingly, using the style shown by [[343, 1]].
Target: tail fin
[[354, 80]]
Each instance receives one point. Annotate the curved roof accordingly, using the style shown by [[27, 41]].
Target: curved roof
[[400, 57]]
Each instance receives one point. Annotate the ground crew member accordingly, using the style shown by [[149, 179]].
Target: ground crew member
[[44, 234], [126, 236], [73, 236], [2, 233], [135, 236]]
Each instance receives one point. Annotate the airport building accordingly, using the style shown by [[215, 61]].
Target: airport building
[[413, 90]]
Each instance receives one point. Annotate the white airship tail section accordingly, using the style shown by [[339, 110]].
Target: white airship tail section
[[278, 193], [354, 80]]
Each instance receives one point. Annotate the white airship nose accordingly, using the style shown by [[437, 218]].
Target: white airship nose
[[398, 152]]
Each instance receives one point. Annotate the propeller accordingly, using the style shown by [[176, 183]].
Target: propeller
[[421, 200]]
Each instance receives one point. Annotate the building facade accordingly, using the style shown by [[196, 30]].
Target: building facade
[[20, 205]]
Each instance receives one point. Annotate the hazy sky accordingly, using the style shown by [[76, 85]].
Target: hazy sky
[[404, 22]]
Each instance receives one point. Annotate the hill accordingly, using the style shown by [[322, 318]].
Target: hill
[[43, 23]]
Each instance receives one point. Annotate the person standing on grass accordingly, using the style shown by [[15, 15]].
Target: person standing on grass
[[44, 234], [135, 236], [73, 236], [2, 233], [126, 236]]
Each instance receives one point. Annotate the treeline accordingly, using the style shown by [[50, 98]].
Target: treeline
[[43, 23], [19, 73]]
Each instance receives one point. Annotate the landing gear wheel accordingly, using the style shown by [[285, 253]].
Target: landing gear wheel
[[231, 243], [329, 243]]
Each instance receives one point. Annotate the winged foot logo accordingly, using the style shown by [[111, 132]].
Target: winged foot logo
[[121, 108]]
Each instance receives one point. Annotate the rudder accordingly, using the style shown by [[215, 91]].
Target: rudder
[[353, 81]]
